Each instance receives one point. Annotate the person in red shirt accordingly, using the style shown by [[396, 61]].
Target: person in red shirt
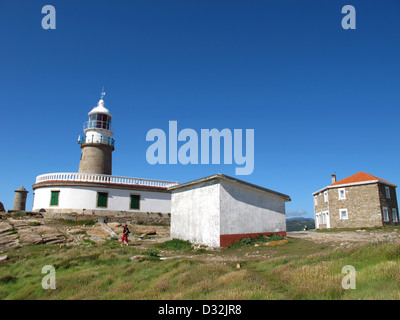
[[125, 235]]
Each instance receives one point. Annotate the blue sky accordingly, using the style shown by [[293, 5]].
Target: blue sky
[[321, 99]]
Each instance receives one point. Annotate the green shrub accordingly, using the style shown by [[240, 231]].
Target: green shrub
[[175, 244], [34, 224], [152, 253], [88, 241], [245, 242], [77, 223]]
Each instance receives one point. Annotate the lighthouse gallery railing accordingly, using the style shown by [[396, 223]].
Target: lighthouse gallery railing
[[103, 178]]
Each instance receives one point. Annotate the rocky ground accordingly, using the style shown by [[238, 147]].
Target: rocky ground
[[347, 238], [19, 231]]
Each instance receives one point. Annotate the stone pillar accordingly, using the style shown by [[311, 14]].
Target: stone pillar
[[20, 199]]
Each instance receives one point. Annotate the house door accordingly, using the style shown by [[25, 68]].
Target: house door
[[327, 219]]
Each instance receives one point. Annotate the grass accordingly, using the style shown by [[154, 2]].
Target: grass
[[34, 224], [175, 245], [297, 270], [260, 240]]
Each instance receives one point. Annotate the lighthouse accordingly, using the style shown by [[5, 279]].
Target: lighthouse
[[94, 190], [97, 145]]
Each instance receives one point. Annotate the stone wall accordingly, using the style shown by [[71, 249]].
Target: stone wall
[[362, 204], [390, 203], [321, 204], [146, 218]]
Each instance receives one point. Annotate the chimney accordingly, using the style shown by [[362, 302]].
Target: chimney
[[333, 177]]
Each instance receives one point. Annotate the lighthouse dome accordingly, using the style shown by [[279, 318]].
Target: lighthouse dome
[[100, 108]]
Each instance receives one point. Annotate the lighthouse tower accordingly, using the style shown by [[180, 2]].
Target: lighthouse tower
[[97, 145]]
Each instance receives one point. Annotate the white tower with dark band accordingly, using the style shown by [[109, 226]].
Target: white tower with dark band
[[97, 145]]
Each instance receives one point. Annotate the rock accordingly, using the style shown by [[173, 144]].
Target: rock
[[76, 231], [137, 257], [54, 238], [97, 239], [5, 226], [113, 225], [50, 235], [29, 236], [145, 230], [97, 232], [20, 224], [9, 241], [3, 258], [149, 233], [107, 229]]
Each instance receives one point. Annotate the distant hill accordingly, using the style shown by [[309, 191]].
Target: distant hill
[[298, 223]]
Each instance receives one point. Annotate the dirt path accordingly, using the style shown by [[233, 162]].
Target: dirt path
[[346, 237]]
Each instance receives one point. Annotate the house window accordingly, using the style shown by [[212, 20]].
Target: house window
[[326, 196], [385, 214], [315, 200], [342, 194], [135, 202], [394, 213], [387, 191], [343, 214], [54, 198], [102, 198]]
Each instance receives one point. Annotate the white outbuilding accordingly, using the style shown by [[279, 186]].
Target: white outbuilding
[[219, 210]]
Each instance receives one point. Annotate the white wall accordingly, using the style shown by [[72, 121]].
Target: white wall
[[78, 198], [248, 210], [195, 214], [201, 213]]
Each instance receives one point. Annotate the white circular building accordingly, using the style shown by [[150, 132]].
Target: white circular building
[[94, 190]]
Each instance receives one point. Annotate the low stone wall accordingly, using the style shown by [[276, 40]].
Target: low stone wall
[[147, 218]]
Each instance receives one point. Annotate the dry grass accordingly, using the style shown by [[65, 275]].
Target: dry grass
[[297, 270]]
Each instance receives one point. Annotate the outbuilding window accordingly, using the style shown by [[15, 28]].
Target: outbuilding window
[[102, 198], [135, 202]]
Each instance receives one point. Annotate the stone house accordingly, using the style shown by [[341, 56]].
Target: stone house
[[360, 200]]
